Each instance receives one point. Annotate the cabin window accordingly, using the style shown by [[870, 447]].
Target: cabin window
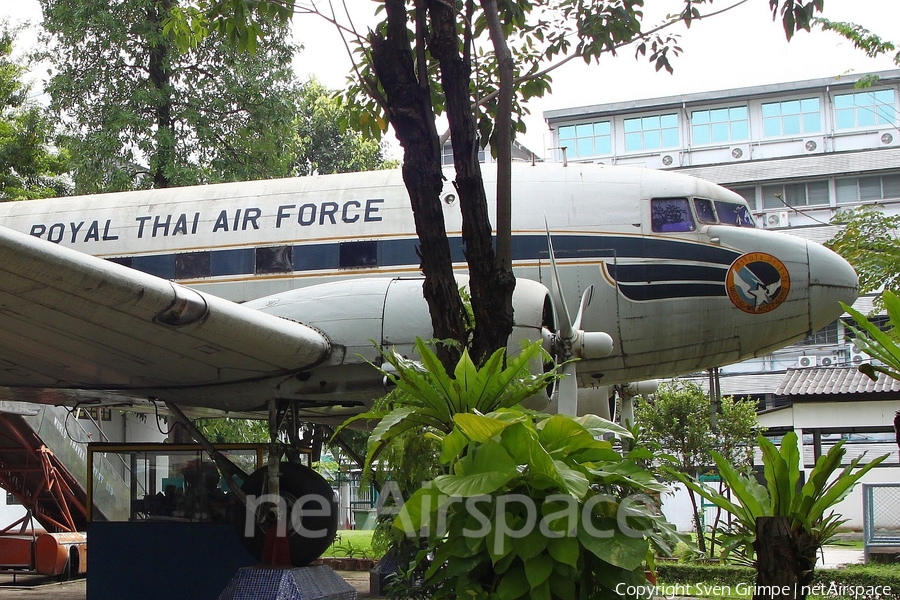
[[125, 261], [239, 261], [705, 211], [671, 215], [192, 265], [161, 265], [274, 259], [359, 254], [731, 213]]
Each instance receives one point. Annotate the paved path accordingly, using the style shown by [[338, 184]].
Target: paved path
[[837, 556], [31, 587], [27, 587]]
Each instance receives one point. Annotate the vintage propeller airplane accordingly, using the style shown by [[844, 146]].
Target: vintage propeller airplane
[[232, 299]]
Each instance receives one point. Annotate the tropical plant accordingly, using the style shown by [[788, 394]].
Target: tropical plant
[[432, 396], [805, 519], [536, 506], [528, 505], [867, 240], [878, 344]]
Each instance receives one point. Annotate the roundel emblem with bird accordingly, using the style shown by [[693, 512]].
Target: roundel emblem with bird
[[757, 283]]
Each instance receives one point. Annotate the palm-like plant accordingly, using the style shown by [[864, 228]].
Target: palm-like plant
[[877, 343], [805, 511], [432, 397]]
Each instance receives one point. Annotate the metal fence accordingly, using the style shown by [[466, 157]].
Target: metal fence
[[881, 515]]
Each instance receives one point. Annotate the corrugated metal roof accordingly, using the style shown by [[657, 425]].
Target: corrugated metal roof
[[833, 380], [743, 385], [807, 167], [814, 233]]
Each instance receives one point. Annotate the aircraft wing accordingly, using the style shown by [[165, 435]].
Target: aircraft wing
[[70, 321]]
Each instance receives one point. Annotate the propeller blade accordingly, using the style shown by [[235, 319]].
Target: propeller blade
[[586, 298], [567, 403], [565, 322]]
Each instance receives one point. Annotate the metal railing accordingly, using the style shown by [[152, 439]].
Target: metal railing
[[881, 515]]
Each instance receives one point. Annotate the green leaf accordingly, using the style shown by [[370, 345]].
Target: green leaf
[[392, 425], [565, 550], [479, 428], [538, 569], [452, 445], [514, 584], [614, 546], [491, 469], [599, 427]]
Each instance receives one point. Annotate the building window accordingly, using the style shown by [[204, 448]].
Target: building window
[[864, 109], [748, 194], [651, 133], [95, 413], [720, 125], [791, 117], [447, 154], [866, 189], [790, 195], [586, 139], [828, 335]]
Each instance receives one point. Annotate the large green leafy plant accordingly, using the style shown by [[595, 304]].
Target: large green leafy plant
[[530, 505], [807, 510], [536, 507], [878, 344]]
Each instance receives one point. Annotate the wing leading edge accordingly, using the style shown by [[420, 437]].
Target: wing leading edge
[[73, 321]]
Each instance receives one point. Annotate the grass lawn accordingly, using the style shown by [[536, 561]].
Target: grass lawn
[[351, 543]]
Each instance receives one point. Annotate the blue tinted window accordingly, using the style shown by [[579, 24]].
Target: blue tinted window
[[161, 265], [864, 109], [586, 139], [791, 117], [232, 262], [720, 125], [314, 257], [671, 215], [651, 133]]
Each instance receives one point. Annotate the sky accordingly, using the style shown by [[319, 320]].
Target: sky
[[741, 47]]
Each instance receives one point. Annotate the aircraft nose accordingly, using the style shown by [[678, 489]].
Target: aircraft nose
[[831, 280]]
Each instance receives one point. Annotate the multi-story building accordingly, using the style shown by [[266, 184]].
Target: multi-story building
[[799, 152]]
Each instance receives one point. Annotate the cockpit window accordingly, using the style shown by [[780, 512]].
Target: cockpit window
[[705, 212], [731, 213], [671, 214]]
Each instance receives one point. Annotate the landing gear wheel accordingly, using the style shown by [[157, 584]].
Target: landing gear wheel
[[296, 482]]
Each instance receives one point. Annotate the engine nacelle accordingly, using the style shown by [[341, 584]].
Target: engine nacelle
[[357, 314]]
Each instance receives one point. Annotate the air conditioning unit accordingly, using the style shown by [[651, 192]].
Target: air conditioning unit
[[740, 153], [857, 355], [776, 219], [827, 361], [806, 361]]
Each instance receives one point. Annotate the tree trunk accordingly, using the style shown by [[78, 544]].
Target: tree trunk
[[411, 114], [698, 524], [785, 560], [490, 285], [160, 73]]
